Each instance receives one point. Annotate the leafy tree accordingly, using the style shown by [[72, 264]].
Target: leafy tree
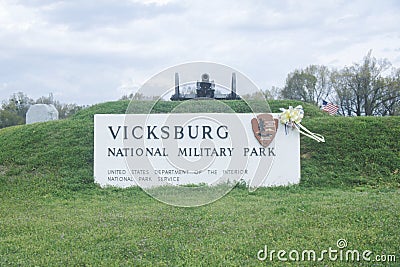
[[257, 95], [64, 110], [362, 89], [18, 103], [273, 93], [311, 84], [298, 86], [139, 96], [13, 111], [9, 118]]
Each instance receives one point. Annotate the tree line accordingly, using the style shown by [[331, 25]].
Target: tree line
[[13, 111], [368, 88]]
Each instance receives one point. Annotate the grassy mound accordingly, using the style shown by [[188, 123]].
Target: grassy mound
[[357, 152], [52, 214]]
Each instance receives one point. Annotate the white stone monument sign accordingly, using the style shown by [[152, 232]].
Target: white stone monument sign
[[207, 148]]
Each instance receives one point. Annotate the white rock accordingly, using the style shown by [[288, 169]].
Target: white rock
[[40, 113]]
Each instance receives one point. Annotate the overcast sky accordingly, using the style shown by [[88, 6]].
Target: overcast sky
[[93, 51]]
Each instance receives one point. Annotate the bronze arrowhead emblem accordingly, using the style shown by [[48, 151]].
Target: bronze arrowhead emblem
[[264, 128]]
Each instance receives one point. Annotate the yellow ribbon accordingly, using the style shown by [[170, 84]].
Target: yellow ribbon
[[292, 117]]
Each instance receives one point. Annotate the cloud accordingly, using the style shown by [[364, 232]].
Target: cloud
[[86, 15], [91, 51]]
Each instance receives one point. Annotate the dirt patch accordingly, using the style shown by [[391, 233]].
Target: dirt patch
[[3, 170], [305, 156]]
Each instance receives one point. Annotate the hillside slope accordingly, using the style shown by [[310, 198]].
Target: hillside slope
[[59, 154]]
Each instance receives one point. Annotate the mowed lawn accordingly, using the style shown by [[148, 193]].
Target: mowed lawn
[[111, 227], [52, 213]]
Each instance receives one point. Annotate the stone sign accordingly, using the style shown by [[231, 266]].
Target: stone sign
[[41, 113], [180, 149]]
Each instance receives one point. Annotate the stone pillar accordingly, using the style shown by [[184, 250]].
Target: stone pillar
[[176, 85], [233, 86]]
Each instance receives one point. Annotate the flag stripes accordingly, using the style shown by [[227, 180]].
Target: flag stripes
[[330, 108]]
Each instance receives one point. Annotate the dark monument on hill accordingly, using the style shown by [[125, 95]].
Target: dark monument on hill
[[205, 90]]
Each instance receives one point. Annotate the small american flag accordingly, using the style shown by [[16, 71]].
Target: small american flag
[[329, 107]]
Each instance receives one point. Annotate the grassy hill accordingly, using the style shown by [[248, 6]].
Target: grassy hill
[[358, 151], [53, 214]]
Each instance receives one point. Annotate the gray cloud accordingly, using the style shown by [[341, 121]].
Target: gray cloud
[[92, 51], [86, 15]]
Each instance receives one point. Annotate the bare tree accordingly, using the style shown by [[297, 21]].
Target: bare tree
[[391, 95], [362, 88], [273, 93]]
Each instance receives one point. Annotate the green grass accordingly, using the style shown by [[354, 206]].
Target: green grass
[[127, 227], [52, 214]]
